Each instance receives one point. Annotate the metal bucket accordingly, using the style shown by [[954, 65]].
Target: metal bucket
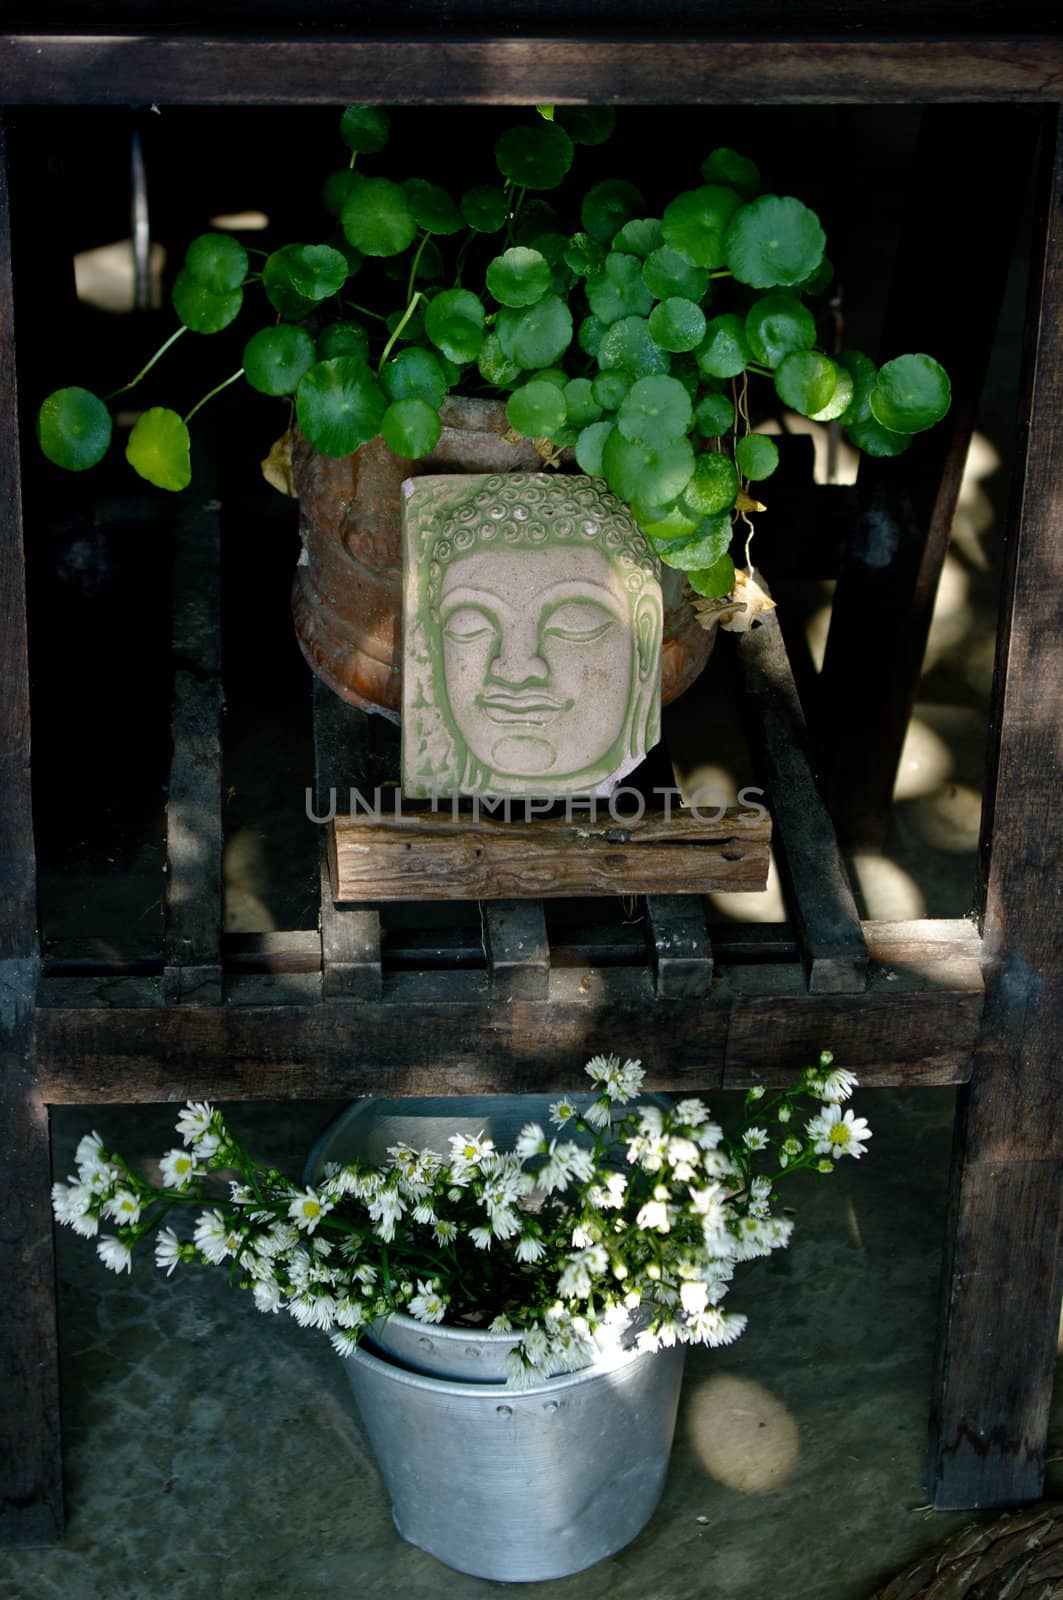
[[522, 1485]]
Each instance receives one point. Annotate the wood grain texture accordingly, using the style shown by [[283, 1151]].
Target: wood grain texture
[[432, 856], [350, 935], [662, 69], [1002, 1279], [679, 947], [192, 912], [517, 948], [818, 894]]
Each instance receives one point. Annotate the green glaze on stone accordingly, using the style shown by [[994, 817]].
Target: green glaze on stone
[[532, 622]]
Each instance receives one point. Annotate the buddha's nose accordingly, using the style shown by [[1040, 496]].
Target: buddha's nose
[[518, 660]]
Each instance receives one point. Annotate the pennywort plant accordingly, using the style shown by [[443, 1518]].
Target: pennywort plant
[[615, 1211], [624, 329]]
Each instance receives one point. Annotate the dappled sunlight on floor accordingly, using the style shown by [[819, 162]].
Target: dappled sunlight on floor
[[743, 1436]]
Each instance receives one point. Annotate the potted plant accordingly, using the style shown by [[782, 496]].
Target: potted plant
[[611, 330], [512, 1321]]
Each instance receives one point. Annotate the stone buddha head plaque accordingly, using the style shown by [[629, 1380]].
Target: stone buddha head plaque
[[532, 623]]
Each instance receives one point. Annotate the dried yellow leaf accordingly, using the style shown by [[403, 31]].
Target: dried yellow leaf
[[277, 467]]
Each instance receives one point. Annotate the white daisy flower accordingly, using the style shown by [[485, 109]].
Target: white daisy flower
[[427, 1305], [755, 1139], [211, 1237], [692, 1113], [194, 1126], [445, 1230], [345, 1343], [468, 1150], [694, 1297], [530, 1248], [836, 1085], [307, 1209], [123, 1206], [350, 1313], [115, 1253], [500, 1324], [836, 1134], [89, 1153], [70, 1202], [562, 1111], [654, 1215], [599, 1114], [531, 1141], [178, 1168], [267, 1295], [620, 1082], [167, 1250], [481, 1238], [785, 1112]]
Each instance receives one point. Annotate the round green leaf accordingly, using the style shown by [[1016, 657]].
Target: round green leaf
[[618, 290], [364, 129], [536, 410], [536, 217], [777, 325], [217, 261], [584, 255], [519, 277], [200, 309], [315, 271], [591, 333], [339, 405], [608, 206], [840, 400], [580, 405], [757, 457], [454, 322], [807, 381], [377, 219], [538, 335], [411, 427], [586, 124], [414, 375], [552, 247], [677, 324], [158, 449], [555, 375], [774, 240], [714, 415], [432, 208], [494, 365], [709, 542], [276, 358], [412, 325], [484, 208], [343, 339], [819, 280], [695, 223], [629, 344], [337, 187], [74, 429], [654, 412], [610, 388], [714, 582], [712, 488], [911, 393], [727, 166], [668, 272], [280, 290], [589, 448], [638, 237], [664, 522], [875, 440], [725, 352], [863, 372], [535, 156], [638, 472]]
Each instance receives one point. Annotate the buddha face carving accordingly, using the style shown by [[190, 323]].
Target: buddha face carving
[[533, 626]]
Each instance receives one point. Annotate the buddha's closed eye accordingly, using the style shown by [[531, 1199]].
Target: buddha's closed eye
[[579, 620], [466, 623]]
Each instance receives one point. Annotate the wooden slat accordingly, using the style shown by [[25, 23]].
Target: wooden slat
[[432, 856], [662, 69], [350, 936], [517, 947], [31, 1485], [192, 911], [882, 607], [1004, 1269], [680, 951], [818, 894]]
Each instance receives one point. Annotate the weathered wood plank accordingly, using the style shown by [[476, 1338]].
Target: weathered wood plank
[[43, 69], [680, 951], [144, 1054], [432, 856], [818, 894], [1003, 1274], [31, 1482], [350, 937], [880, 618], [192, 912], [518, 950]]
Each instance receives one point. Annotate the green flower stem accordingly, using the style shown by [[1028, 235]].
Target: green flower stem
[[200, 403], [407, 314], [146, 369], [414, 265], [762, 372], [722, 272]]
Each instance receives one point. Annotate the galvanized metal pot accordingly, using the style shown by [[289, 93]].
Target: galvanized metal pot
[[514, 1485]]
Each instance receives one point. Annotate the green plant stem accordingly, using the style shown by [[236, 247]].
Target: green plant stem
[[459, 265], [224, 385], [722, 272], [160, 352], [416, 263], [364, 311], [513, 215], [406, 315], [762, 372]]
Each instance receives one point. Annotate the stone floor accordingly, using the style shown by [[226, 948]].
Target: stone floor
[[214, 1452]]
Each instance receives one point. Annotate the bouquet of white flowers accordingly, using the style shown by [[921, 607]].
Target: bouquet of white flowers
[[609, 1212]]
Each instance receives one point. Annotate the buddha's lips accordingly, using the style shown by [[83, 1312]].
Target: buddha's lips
[[531, 707]]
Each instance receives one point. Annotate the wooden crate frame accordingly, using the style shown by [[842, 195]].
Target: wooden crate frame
[[1001, 1283]]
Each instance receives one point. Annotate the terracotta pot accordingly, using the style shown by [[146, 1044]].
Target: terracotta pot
[[347, 597]]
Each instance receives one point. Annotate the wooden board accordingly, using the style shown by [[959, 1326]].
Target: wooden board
[[350, 935], [517, 949], [433, 856], [661, 69], [679, 947]]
